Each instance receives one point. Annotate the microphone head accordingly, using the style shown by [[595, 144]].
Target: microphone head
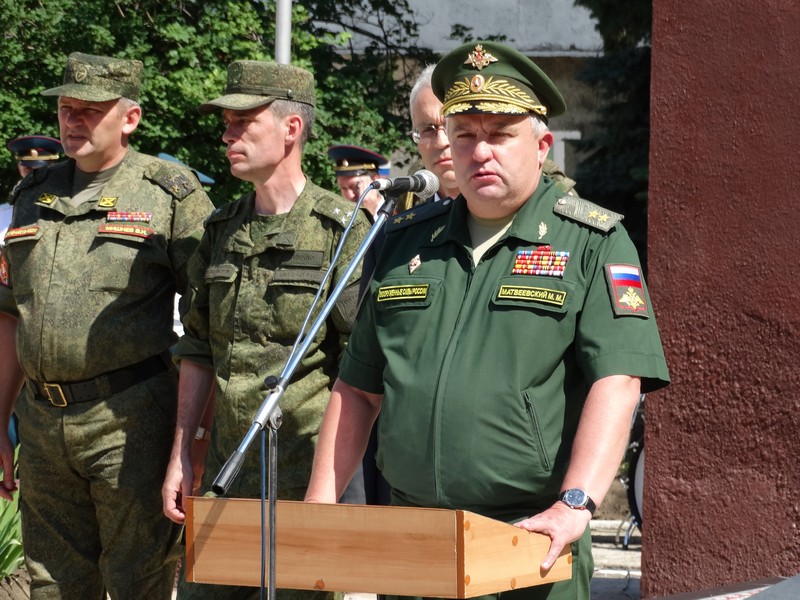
[[429, 183]]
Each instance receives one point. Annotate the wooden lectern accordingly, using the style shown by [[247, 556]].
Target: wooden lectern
[[374, 549]]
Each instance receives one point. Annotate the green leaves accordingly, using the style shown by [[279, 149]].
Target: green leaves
[[186, 46], [11, 557]]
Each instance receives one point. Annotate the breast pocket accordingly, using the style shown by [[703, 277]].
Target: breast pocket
[[290, 296], [221, 283], [24, 249], [125, 265]]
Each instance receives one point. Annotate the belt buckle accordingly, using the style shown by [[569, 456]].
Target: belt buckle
[[48, 389]]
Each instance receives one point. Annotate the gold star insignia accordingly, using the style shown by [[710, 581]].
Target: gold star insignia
[[397, 220], [410, 216], [593, 214], [603, 218], [107, 201]]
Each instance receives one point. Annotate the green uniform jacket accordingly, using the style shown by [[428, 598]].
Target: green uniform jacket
[[485, 369], [93, 285], [249, 296]]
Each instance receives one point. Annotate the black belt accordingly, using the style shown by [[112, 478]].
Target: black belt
[[107, 384]]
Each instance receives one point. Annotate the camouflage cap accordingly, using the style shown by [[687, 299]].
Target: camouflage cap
[[253, 83], [99, 78], [487, 77]]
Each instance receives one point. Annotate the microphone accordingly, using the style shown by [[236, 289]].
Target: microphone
[[423, 183]]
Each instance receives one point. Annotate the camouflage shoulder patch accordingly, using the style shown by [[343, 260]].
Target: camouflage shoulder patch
[[173, 180], [418, 214], [588, 213], [332, 206], [563, 184], [33, 178], [226, 211]]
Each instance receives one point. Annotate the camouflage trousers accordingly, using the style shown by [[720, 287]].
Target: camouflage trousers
[[90, 480]]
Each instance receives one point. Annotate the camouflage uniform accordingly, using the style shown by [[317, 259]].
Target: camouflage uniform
[[252, 282], [92, 287]]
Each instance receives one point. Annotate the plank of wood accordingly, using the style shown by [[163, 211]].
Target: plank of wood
[[356, 548]]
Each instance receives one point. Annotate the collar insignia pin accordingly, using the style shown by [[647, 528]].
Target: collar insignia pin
[[413, 264], [542, 230]]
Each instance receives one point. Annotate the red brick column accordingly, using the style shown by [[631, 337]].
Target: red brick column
[[722, 482]]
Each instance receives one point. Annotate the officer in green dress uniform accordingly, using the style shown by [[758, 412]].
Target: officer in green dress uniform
[[97, 248], [507, 334], [252, 281]]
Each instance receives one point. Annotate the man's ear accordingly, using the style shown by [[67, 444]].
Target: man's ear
[[294, 128], [545, 143], [131, 119]]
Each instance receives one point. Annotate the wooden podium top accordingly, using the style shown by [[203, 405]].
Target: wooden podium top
[[375, 549]]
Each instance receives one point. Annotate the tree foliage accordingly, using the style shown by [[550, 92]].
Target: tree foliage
[[614, 172], [186, 46]]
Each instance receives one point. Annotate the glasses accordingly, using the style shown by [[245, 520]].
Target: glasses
[[426, 132]]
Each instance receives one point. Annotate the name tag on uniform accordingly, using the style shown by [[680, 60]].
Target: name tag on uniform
[[395, 293], [532, 294], [21, 232], [131, 230]]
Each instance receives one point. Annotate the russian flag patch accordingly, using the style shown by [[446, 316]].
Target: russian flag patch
[[626, 287]]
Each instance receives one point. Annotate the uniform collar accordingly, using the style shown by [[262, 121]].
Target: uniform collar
[[529, 225]]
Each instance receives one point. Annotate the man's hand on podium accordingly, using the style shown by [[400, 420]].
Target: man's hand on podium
[[563, 525]]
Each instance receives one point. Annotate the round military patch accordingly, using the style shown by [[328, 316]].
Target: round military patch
[[80, 73]]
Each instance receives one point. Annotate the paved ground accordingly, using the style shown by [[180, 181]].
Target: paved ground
[[617, 570]]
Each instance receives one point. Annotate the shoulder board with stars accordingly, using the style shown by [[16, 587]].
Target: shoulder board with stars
[[418, 214], [173, 181], [586, 212], [334, 207]]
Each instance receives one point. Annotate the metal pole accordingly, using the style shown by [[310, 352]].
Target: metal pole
[[283, 31]]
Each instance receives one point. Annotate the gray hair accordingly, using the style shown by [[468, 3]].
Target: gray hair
[[125, 104], [423, 81], [283, 108], [539, 126]]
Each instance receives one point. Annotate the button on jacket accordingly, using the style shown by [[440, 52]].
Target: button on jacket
[[485, 369], [93, 285], [250, 292]]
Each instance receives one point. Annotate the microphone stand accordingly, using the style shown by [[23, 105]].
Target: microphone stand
[[269, 414]]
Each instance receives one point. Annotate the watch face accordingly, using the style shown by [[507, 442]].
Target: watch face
[[575, 497]]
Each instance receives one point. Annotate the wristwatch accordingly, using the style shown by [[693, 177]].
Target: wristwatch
[[578, 499]]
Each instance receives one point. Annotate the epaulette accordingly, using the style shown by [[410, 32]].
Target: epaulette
[[586, 212], [174, 181], [334, 207], [34, 177], [224, 212], [418, 214]]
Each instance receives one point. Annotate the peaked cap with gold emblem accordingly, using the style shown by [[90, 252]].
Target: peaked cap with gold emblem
[[99, 78], [254, 83], [352, 160], [487, 77], [35, 151]]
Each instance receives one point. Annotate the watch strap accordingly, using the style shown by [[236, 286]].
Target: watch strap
[[589, 505]]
